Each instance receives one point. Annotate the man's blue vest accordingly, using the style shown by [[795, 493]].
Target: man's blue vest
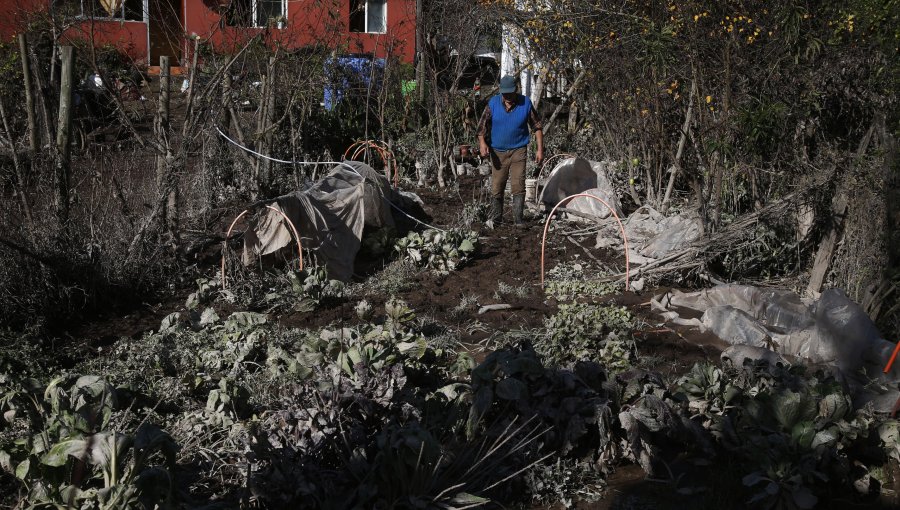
[[509, 130]]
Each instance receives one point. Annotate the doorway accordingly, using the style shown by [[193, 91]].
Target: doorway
[[166, 30]]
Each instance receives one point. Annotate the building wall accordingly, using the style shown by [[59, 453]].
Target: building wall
[[130, 37], [308, 22], [313, 22], [15, 15]]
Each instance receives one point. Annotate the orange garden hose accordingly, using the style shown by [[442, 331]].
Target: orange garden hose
[[239, 216], [387, 156], [566, 201]]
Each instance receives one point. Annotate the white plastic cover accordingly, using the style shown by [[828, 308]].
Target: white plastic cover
[[833, 331]]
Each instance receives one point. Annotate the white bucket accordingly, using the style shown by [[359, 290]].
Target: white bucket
[[530, 188]]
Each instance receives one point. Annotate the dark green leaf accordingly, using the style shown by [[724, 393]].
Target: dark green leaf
[[60, 452]]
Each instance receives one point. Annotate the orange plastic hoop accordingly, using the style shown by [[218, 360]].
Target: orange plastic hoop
[[890, 363], [387, 156], [239, 216], [566, 201]]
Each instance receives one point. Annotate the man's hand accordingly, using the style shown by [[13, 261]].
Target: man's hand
[[483, 147], [539, 156]]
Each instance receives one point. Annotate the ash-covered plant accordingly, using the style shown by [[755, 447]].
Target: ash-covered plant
[[477, 212], [583, 331], [565, 482], [567, 282], [25, 354], [301, 291], [575, 405], [62, 445], [793, 432], [440, 251], [372, 419], [396, 277]]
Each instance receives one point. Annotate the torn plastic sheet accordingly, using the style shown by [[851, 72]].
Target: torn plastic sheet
[[832, 331], [652, 236]]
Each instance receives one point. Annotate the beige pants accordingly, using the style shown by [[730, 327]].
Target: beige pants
[[506, 164]]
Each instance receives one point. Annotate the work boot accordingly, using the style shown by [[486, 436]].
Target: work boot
[[518, 209], [496, 211]]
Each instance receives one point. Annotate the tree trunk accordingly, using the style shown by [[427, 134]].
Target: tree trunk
[[260, 145], [572, 89], [63, 131], [164, 156], [17, 167], [676, 164], [269, 122]]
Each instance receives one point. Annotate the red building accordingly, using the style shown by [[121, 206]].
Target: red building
[[148, 29]]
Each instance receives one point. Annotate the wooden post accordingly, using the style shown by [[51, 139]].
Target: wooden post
[[63, 128], [573, 117], [420, 66], [226, 101], [164, 156], [260, 128], [45, 99], [29, 93], [162, 121], [269, 119], [826, 249]]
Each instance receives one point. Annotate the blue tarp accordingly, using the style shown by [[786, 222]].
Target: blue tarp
[[351, 75]]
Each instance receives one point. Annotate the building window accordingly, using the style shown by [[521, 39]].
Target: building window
[[368, 16], [126, 10], [256, 13]]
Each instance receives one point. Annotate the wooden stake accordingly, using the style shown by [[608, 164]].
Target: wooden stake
[[29, 93], [162, 119]]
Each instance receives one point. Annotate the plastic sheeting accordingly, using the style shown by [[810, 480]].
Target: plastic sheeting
[[578, 175], [330, 217], [763, 323], [653, 236]]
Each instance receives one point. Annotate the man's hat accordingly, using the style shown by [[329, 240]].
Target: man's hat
[[507, 84]]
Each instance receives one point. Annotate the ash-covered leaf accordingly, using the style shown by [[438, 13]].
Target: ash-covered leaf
[[834, 407]]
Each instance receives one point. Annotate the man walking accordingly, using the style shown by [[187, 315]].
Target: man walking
[[506, 121]]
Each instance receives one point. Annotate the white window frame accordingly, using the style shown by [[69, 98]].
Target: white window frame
[[145, 13], [283, 14], [384, 19], [366, 18]]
